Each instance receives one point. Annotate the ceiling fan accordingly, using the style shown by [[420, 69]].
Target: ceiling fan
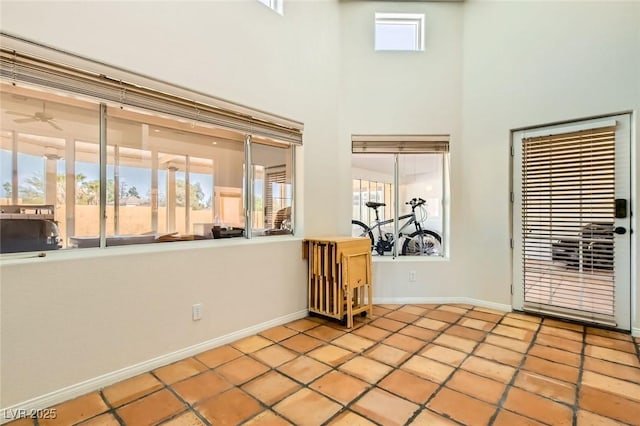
[[36, 116]]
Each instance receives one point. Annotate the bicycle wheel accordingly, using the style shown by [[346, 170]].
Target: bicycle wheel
[[422, 243], [359, 229]]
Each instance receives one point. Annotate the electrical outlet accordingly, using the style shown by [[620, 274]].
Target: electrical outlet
[[412, 276], [196, 311]]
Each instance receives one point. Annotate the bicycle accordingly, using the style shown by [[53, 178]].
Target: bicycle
[[420, 242]]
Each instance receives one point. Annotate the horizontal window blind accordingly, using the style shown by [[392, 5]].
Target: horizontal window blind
[[391, 144], [568, 208], [114, 85]]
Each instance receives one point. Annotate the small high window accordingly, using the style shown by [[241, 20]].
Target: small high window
[[399, 31]]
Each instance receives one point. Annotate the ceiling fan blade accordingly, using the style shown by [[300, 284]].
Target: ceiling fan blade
[[19, 113], [54, 125], [25, 120]]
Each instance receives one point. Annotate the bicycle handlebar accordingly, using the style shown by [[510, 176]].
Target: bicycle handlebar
[[415, 202]]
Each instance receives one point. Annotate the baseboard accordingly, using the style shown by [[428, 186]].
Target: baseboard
[[442, 300], [96, 383], [635, 331]]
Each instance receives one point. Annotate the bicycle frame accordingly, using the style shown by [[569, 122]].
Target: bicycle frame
[[382, 241]]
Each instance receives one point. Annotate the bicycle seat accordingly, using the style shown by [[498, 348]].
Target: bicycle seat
[[374, 205]]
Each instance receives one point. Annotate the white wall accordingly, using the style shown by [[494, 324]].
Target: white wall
[[488, 67], [66, 320]]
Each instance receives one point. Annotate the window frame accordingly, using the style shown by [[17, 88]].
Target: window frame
[[414, 20]]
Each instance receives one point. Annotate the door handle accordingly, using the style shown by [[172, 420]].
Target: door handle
[[620, 230]]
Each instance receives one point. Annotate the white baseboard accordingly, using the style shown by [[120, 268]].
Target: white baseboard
[[442, 300], [635, 331], [96, 383]]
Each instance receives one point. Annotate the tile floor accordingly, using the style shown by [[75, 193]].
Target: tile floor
[[409, 364]]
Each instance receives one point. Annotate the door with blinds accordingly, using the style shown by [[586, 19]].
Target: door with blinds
[[571, 217]]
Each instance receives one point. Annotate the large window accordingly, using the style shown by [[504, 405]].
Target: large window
[[400, 187], [83, 171]]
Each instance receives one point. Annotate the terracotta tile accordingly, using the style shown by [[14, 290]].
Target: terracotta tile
[[427, 369], [408, 386], [24, 421], [229, 408], [186, 419], [608, 405], [476, 386], [128, 390], [403, 342], [466, 333], [507, 418], [76, 410], [492, 370], [518, 323], [384, 408], [412, 309], [372, 333], [390, 306], [201, 387], [489, 310], [524, 317], [274, 355], [537, 407], [151, 409], [561, 332], [302, 343], [442, 354], [303, 324], [458, 309], [366, 369], [353, 343], [388, 324], [241, 370], [612, 369], [429, 418], [402, 316], [612, 385], [387, 354], [450, 403], [609, 333], [106, 419], [607, 342], [380, 311], [419, 333], [559, 342], [325, 333], [501, 355], [267, 418], [251, 344], [476, 324], [349, 418], [546, 386], [180, 370], [507, 343], [612, 355], [304, 369], [332, 355], [271, 387], [446, 316], [585, 418], [513, 332], [218, 356], [556, 355], [340, 387], [456, 342], [551, 369], [484, 316], [278, 334], [431, 324], [563, 324], [307, 407]]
